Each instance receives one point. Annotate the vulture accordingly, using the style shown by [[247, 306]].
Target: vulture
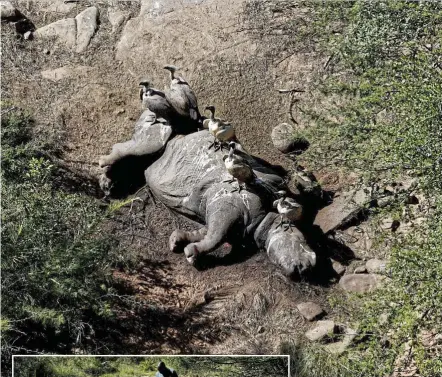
[[223, 132], [155, 100], [289, 210], [239, 168], [181, 96]]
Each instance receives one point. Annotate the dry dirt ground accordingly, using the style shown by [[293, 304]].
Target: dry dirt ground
[[239, 305]]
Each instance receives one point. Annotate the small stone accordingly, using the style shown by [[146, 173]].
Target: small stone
[[56, 74], [309, 310], [46, 51], [283, 137], [385, 201], [321, 331], [116, 19], [360, 270], [413, 200], [390, 224], [119, 111], [383, 318], [376, 266], [86, 26], [360, 283], [339, 347], [27, 35], [260, 330], [338, 268]]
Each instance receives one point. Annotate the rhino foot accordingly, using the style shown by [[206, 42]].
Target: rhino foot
[[179, 238], [104, 161], [177, 241], [105, 184], [191, 253]]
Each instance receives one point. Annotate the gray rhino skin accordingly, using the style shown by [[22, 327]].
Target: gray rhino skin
[[189, 178]]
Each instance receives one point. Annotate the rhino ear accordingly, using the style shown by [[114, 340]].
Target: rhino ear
[[206, 123], [275, 203]]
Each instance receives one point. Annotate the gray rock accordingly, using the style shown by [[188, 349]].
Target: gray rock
[[63, 31], [339, 347], [390, 224], [86, 26], [360, 283], [385, 201], [306, 182], [360, 270], [310, 310], [116, 19], [322, 330], [283, 137], [338, 268], [376, 266], [8, 11], [27, 35], [344, 208]]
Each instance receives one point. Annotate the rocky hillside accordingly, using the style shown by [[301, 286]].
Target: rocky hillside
[[360, 82]]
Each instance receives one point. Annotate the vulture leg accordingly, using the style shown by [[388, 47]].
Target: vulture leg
[[281, 222]]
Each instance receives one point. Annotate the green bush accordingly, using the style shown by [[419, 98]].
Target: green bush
[[375, 109], [389, 122], [56, 258]]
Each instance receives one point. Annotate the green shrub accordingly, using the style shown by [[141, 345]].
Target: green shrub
[[375, 110], [389, 122], [56, 258]]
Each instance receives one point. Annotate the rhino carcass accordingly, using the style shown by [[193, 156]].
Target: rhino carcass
[[189, 178]]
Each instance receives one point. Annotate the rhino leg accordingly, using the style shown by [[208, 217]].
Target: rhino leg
[[119, 151], [220, 221], [179, 238]]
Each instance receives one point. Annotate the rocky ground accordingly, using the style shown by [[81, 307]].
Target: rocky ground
[[76, 65]]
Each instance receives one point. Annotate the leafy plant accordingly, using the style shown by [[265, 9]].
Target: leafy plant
[[374, 109], [56, 260]]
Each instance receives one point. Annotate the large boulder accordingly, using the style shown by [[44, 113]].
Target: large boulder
[[345, 206], [63, 31]]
